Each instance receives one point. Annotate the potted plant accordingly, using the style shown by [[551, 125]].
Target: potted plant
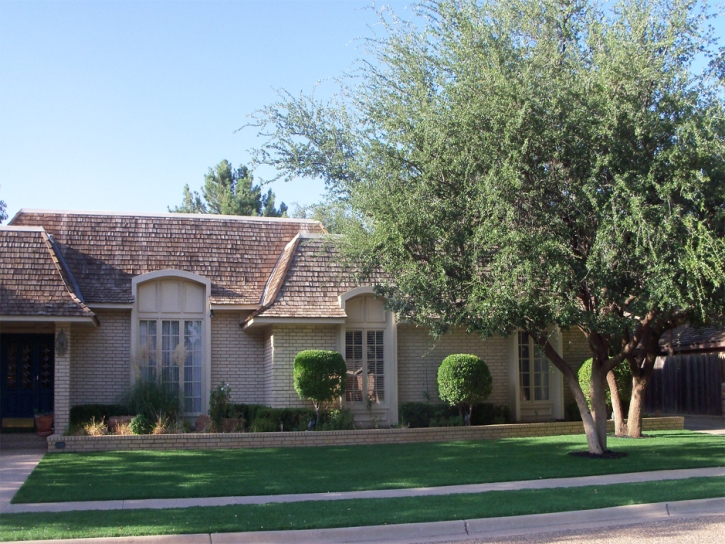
[[43, 423]]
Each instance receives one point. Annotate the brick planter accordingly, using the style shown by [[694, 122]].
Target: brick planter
[[206, 441]]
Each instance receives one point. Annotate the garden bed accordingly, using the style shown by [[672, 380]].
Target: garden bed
[[202, 441]]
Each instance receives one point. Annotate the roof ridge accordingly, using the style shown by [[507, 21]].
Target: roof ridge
[[208, 216]]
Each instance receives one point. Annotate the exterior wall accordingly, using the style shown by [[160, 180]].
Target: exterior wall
[[100, 363], [62, 381], [196, 441], [237, 358], [419, 358], [576, 351], [281, 347]]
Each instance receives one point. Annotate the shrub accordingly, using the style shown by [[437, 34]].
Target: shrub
[[450, 421], [95, 428], [154, 399], [337, 420], [464, 380], [319, 375], [622, 375], [264, 425], [140, 425], [571, 412], [83, 413], [123, 429], [219, 400], [424, 414]]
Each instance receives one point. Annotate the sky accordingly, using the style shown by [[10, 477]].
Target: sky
[[116, 105]]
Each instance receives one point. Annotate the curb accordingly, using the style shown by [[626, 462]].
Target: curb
[[446, 530]]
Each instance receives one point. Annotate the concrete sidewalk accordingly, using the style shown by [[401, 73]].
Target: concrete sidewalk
[[15, 467], [448, 531], [549, 483]]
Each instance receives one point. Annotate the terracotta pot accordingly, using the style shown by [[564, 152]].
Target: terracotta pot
[[44, 425]]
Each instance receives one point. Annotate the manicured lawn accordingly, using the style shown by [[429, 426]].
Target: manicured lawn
[[173, 474], [348, 513]]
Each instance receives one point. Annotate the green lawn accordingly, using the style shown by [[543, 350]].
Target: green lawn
[[348, 513], [173, 474]]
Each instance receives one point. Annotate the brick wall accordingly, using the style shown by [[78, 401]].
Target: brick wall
[[419, 358], [237, 358], [283, 343], [576, 351], [330, 438], [100, 365]]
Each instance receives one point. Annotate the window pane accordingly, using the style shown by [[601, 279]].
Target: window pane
[[170, 354], [375, 366], [353, 360], [192, 366], [147, 349]]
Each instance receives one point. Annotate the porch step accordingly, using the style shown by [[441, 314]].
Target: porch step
[[18, 423]]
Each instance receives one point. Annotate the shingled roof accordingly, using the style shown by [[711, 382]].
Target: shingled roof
[[686, 338], [105, 251], [315, 278], [33, 281]]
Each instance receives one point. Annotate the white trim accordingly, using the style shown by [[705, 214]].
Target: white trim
[[110, 305], [13, 228], [262, 321], [232, 307], [364, 290], [169, 273], [47, 319], [212, 217]]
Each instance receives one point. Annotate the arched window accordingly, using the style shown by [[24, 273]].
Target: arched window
[[171, 319]]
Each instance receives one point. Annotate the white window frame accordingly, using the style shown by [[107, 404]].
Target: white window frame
[[204, 317]]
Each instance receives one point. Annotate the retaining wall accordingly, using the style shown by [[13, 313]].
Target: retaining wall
[[204, 441]]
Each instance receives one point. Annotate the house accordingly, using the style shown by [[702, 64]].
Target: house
[[91, 301]]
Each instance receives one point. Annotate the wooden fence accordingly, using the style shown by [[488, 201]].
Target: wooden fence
[[687, 384]]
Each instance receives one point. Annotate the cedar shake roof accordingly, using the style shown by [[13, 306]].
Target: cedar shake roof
[[33, 281], [687, 338], [105, 251], [314, 280]]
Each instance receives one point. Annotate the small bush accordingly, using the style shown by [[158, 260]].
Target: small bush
[[463, 381], [319, 375], [451, 421], [424, 414], [123, 429], [83, 413], [337, 420], [140, 425], [219, 400], [571, 412], [95, 428], [264, 425], [154, 399]]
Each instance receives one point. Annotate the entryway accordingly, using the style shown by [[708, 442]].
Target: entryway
[[27, 365]]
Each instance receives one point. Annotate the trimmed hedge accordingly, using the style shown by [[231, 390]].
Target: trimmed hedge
[[425, 414], [260, 418], [83, 413], [464, 380]]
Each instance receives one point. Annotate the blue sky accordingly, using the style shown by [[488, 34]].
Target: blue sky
[[116, 105], [112, 105]]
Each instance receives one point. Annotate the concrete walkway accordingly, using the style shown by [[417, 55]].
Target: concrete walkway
[[548, 483], [451, 531]]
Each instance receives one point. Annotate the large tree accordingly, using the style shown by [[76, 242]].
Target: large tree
[[230, 191], [528, 164]]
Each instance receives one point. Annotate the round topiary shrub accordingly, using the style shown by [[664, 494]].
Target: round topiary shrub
[[319, 375], [463, 381]]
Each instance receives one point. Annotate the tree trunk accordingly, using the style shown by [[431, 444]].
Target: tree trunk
[[634, 418], [599, 404], [619, 427]]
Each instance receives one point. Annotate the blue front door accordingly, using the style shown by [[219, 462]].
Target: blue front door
[[26, 374]]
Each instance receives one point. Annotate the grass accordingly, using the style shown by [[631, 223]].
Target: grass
[[349, 513], [215, 473]]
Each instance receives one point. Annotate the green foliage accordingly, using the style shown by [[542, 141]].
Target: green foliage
[[319, 375], [260, 417], [622, 374], [424, 414], [571, 412], [83, 413], [464, 380], [230, 191], [154, 400], [219, 400], [140, 425], [337, 420], [264, 425]]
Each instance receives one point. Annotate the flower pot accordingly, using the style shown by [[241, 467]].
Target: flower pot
[[44, 424]]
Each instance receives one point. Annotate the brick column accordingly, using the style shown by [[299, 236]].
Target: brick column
[[61, 391]]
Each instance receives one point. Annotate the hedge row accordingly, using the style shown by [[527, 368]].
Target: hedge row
[[425, 414]]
